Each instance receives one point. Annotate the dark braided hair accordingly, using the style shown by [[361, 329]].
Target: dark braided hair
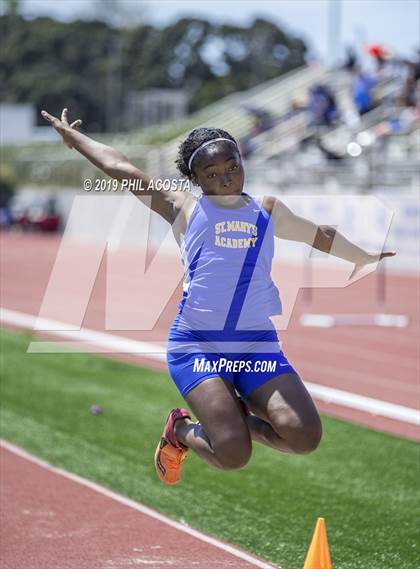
[[194, 140]]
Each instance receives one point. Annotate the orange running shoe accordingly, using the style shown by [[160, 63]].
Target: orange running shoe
[[170, 454]]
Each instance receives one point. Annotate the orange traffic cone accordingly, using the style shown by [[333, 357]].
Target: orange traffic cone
[[318, 556]]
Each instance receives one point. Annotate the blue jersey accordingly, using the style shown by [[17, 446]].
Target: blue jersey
[[227, 254]]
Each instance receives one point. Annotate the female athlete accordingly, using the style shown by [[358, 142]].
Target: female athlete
[[222, 338]]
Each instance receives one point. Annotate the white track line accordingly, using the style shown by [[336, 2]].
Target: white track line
[[362, 403], [120, 344], [137, 506], [104, 341]]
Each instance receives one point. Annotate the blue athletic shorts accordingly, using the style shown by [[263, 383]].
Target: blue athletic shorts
[[196, 355]]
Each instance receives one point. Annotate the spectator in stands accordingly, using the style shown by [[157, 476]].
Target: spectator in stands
[[7, 192], [362, 86], [411, 85], [402, 119], [6, 218], [381, 55], [298, 105], [262, 121], [351, 59], [322, 106]]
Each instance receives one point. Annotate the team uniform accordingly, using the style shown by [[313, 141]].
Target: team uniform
[[223, 327]]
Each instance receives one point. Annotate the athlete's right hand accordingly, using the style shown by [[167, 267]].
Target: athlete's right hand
[[62, 125]]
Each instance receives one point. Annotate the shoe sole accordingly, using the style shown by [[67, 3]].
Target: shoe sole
[[159, 468]]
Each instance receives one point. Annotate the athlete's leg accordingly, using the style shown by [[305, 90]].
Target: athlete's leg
[[222, 439], [287, 418]]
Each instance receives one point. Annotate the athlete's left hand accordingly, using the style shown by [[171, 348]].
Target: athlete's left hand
[[371, 258]]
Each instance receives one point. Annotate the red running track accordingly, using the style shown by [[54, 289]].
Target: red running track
[[51, 521], [40, 528], [380, 363]]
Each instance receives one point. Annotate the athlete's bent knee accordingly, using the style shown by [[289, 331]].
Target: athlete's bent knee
[[302, 434], [233, 453], [307, 439]]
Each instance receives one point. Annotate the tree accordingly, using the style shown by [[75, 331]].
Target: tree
[[11, 7], [91, 66]]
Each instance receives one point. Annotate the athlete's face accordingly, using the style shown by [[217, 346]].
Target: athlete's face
[[218, 170]]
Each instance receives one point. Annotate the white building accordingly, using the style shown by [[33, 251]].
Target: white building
[[18, 124], [155, 106]]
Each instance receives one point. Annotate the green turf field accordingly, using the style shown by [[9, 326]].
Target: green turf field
[[364, 483]]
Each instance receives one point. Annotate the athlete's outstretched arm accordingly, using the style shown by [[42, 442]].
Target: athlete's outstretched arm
[[325, 238], [116, 165]]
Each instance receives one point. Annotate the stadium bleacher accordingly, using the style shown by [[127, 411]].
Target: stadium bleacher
[[354, 154]]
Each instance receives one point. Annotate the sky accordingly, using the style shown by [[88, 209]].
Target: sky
[[326, 25]]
